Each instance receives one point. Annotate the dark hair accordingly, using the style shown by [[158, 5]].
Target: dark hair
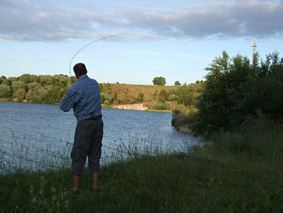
[[80, 69]]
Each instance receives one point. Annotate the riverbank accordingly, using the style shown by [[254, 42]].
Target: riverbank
[[139, 107], [239, 172], [184, 129]]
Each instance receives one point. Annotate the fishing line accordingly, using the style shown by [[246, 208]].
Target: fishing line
[[102, 38], [99, 39]]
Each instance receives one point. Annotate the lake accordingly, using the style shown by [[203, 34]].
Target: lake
[[40, 136]]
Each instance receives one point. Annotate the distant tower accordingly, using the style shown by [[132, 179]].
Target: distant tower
[[254, 47]]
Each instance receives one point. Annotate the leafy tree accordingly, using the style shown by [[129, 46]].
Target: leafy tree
[[5, 91], [159, 81], [45, 80], [163, 96], [19, 90], [154, 95], [52, 95], [7, 82], [19, 94], [4, 80], [27, 78], [34, 89], [236, 90], [188, 94], [11, 79], [177, 83], [214, 106], [140, 97], [18, 85], [261, 91], [106, 98], [115, 95]]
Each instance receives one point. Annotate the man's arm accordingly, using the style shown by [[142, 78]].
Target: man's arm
[[68, 101]]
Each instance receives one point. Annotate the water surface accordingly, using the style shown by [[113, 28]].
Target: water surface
[[40, 136]]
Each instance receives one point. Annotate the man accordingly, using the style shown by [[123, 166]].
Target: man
[[84, 98]]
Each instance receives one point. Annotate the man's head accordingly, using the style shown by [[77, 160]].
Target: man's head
[[80, 69]]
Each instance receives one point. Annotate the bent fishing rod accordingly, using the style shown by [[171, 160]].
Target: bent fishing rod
[[103, 38], [99, 39]]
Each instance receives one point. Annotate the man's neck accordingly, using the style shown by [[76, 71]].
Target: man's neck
[[79, 76]]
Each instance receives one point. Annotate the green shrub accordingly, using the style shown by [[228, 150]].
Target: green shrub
[[172, 97], [106, 98], [161, 106], [181, 110]]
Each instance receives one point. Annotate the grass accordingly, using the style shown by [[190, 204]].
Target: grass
[[239, 172]]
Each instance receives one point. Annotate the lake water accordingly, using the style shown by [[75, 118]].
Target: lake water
[[40, 136]]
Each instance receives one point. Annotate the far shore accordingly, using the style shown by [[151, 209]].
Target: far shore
[[139, 107]]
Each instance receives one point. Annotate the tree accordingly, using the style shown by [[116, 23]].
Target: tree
[[34, 90], [27, 78], [106, 98], [5, 91], [19, 90], [163, 96], [159, 81], [52, 95], [236, 90], [18, 85], [19, 94], [177, 83]]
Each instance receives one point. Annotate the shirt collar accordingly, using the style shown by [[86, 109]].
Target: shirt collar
[[82, 77]]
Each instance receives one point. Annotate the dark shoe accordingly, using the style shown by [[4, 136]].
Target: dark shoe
[[94, 188], [74, 191]]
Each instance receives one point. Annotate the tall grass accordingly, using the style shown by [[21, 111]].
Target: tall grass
[[239, 172]]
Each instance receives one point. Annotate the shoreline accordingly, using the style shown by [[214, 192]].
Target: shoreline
[[139, 107], [184, 129]]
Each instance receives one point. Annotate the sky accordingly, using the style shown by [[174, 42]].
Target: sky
[[133, 42]]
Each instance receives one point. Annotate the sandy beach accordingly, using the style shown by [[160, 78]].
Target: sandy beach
[[140, 107]]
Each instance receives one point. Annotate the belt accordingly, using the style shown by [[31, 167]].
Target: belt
[[94, 118]]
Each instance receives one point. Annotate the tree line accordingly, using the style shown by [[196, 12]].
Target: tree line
[[49, 89], [45, 89]]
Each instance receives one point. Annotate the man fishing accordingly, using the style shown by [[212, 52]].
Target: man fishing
[[84, 98]]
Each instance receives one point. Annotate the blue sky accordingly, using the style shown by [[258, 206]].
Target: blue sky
[[175, 39]]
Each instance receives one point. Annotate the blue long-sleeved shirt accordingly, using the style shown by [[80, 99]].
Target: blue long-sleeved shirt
[[84, 98]]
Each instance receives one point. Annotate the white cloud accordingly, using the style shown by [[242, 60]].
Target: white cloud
[[61, 20]]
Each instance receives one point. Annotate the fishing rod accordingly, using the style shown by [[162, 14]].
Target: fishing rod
[[103, 38], [96, 40]]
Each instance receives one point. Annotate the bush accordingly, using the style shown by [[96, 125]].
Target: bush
[[106, 98], [107, 102], [161, 106], [181, 110], [173, 90], [172, 97]]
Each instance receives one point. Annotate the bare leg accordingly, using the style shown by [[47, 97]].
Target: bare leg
[[95, 178], [76, 181]]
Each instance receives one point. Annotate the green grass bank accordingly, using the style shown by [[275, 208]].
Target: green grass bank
[[239, 172]]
